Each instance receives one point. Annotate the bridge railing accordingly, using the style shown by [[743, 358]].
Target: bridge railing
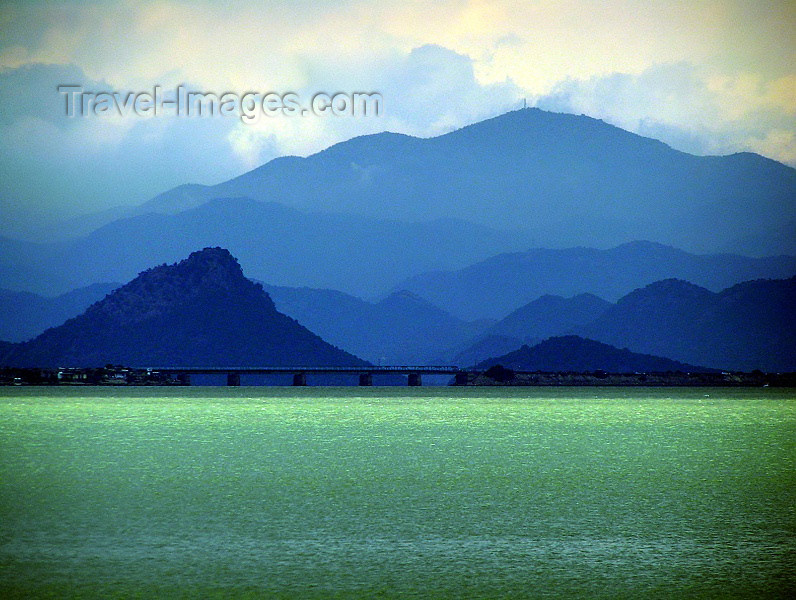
[[444, 369]]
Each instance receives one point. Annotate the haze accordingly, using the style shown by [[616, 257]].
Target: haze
[[706, 78]]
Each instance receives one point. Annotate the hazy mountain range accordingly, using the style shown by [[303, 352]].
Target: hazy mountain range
[[358, 255], [366, 214], [550, 315], [400, 329], [400, 249], [531, 323], [747, 326], [498, 285], [570, 180]]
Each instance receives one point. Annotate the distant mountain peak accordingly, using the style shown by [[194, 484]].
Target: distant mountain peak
[[549, 315], [410, 303], [673, 285], [213, 261], [162, 287], [531, 119], [661, 294], [747, 326], [587, 296]]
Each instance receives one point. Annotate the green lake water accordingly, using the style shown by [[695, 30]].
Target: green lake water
[[397, 492]]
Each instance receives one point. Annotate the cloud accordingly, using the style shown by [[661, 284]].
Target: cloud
[[435, 89], [427, 91], [709, 77], [691, 108], [52, 165], [247, 43]]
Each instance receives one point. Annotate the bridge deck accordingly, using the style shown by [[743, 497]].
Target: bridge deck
[[394, 369]]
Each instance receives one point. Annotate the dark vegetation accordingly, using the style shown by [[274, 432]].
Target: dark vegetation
[[603, 378], [200, 311]]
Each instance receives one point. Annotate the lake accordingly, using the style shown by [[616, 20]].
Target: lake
[[397, 492]]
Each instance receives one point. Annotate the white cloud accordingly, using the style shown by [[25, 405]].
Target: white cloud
[[709, 77], [52, 165], [690, 108], [426, 92]]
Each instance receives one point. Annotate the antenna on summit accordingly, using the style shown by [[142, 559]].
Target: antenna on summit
[[524, 103]]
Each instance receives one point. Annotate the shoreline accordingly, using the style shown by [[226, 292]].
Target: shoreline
[[118, 376]]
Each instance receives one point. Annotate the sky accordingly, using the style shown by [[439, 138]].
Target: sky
[[706, 77]]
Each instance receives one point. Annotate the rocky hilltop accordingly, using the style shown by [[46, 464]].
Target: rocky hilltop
[[200, 311]]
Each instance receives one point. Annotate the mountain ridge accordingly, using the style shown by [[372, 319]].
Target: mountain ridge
[[276, 243], [574, 173], [399, 329], [24, 315], [494, 287], [550, 315], [571, 179]]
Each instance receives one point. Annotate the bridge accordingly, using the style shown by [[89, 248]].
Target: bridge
[[366, 373]]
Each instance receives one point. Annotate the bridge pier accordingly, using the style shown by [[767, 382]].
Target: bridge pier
[[184, 374]]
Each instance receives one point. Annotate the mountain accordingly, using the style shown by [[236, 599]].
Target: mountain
[[564, 179], [545, 317], [359, 255], [399, 329], [549, 316], [482, 348], [748, 326], [171, 202], [366, 214], [573, 353], [568, 180], [24, 315], [201, 311], [176, 200], [5, 348], [495, 287]]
